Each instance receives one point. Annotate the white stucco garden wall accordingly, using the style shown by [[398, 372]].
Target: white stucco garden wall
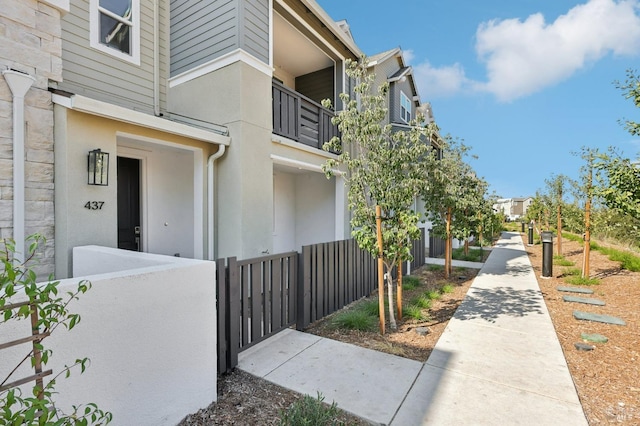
[[150, 333]]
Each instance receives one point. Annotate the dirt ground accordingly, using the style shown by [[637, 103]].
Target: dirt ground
[[607, 378], [247, 400]]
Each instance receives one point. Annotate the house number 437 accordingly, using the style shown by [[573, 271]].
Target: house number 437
[[94, 205]]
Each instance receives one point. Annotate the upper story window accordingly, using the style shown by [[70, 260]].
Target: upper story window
[[405, 108], [115, 28]]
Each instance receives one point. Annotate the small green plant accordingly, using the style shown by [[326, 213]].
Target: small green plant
[[435, 268], [421, 301], [447, 288], [432, 294], [18, 285], [310, 411], [415, 312], [627, 260], [577, 280], [562, 261], [474, 255], [370, 307], [410, 282], [572, 272], [355, 319]]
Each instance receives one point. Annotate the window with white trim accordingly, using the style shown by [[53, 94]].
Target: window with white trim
[[115, 28], [405, 108]]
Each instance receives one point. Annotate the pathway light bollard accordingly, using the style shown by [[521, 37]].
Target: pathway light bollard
[[547, 253], [522, 227], [531, 233]]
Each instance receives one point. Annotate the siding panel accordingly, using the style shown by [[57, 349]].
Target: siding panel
[[201, 32], [317, 85], [98, 75], [255, 28]]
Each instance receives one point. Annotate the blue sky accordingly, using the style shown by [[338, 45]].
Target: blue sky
[[525, 83]]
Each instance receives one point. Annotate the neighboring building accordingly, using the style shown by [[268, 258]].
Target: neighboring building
[[30, 60], [513, 208]]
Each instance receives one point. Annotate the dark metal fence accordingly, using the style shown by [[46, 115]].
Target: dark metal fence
[[260, 297], [436, 246]]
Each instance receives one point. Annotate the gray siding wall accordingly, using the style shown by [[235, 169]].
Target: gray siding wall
[[317, 85], [202, 31], [394, 100], [254, 33], [98, 75]]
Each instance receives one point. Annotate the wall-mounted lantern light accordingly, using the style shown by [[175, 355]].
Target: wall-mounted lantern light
[[98, 167]]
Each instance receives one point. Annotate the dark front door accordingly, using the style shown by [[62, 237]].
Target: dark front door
[[129, 204]]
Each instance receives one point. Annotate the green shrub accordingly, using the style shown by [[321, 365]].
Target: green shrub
[[370, 306], [434, 268], [414, 312], [561, 261], [577, 280], [572, 272], [355, 319], [447, 288], [310, 412], [410, 282], [421, 301], [627, 260], [432, 294], [474, 255]]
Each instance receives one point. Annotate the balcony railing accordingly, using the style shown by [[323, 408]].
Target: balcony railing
[[299, 118]]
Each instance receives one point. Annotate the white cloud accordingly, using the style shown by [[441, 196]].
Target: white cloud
[[408, 56], [523, 57], [438, 82]]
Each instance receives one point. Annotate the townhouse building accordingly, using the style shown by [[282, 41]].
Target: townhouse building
[[208, 123], [183, 128]]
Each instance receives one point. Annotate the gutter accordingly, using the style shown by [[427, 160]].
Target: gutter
[[19, 83]]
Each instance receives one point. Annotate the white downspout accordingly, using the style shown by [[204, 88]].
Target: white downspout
[[156, 59], [19, 83], [210, 198]]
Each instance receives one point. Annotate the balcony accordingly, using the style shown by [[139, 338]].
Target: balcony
[[301, 119]]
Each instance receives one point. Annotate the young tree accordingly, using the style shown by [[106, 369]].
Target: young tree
[[23, 299], [620, 182], [587, 190], [448, 191], [631, 90], [557, 188], [384, 170]]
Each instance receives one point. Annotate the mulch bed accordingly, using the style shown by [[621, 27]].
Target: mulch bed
[[607, 378]]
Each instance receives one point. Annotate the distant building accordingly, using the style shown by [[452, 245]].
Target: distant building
[[513, 208]]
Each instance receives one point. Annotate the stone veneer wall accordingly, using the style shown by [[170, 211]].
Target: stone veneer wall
[[30, 41]]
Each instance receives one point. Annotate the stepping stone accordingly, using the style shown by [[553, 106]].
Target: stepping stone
[[607, 319], [422, 331], [576, 290], [584, 347], [596, 338], [583, 300]]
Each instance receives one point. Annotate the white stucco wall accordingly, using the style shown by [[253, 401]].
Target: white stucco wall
[[315, 209], [284, 211], [170, 227], [304, 209], [150, 334]]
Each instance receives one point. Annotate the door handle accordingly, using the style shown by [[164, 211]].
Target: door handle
[[136, 231]]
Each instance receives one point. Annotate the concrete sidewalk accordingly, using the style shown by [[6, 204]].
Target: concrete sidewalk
[[497, 363]]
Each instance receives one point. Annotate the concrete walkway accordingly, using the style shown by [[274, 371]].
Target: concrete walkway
[[498, 362]]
